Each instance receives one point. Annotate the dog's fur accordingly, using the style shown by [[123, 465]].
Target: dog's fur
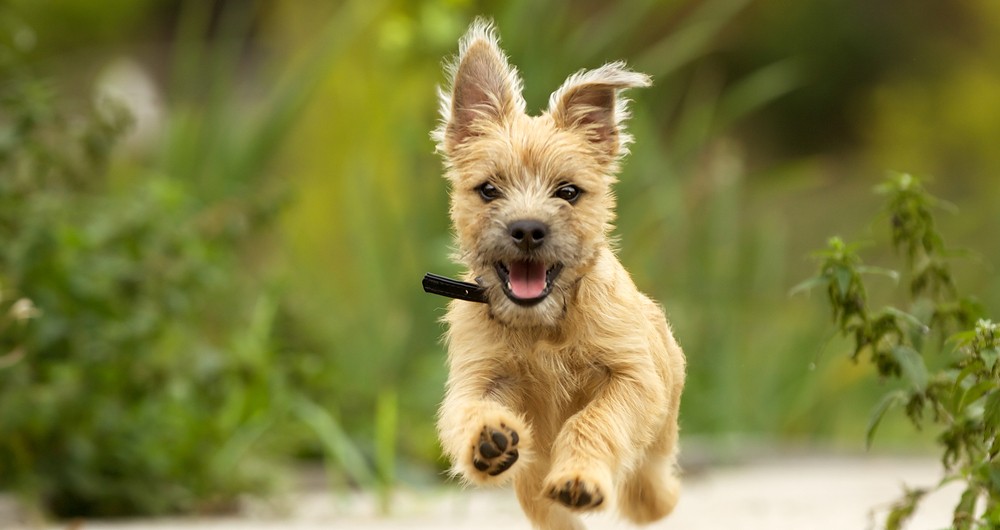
[[575, 396]]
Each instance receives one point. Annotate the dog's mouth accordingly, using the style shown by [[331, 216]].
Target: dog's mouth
[[526, 282]]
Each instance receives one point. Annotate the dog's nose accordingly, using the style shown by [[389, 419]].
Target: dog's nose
[[528, 234]]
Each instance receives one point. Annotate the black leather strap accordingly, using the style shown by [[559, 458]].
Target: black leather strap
[[443, 286]]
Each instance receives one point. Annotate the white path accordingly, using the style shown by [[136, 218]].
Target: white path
[[817, 493]]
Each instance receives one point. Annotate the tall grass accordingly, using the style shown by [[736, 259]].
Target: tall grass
[[371, 212]]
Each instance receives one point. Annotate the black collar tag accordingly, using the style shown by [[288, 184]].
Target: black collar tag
[[443, 286]]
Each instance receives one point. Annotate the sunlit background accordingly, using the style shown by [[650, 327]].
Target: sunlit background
[[214, 217]]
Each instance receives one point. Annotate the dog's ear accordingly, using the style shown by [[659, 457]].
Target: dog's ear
[[484, 87], [588, 101]]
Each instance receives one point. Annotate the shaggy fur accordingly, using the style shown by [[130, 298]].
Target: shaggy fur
[[573, 397]]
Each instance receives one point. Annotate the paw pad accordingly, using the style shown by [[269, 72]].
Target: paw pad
[[576, 494], [496, 450]]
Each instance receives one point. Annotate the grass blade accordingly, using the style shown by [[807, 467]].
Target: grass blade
[[336, 443]]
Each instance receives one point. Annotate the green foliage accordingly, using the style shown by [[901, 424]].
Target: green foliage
[[122, 399], [274, 232], [961, 395], [903, 508], [150, 381]]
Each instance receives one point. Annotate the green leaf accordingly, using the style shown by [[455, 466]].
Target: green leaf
[[890, 400], [991, 412], [910, 319], [973, 394], [963, 338], [809, 285], [843, 276], [868, 269], [990, 357], [894, 183], [966, 372], [958, 390], [912, 365]]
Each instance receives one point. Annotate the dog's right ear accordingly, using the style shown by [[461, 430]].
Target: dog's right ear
[[589, 101], [484, 88]]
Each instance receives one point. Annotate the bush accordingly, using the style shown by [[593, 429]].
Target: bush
[[939, 328], [151, 380], [125, 393]]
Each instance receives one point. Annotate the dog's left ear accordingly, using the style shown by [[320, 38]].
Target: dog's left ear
[[485, 89], [588, 101]]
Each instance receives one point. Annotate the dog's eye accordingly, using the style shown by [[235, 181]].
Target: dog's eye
[[488, 191], [568, 193]]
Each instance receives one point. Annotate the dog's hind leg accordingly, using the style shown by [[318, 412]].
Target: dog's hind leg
[[543, 513], [651, 492]]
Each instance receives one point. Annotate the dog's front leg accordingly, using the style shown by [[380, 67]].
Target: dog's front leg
[[609, 434], [480, 431]]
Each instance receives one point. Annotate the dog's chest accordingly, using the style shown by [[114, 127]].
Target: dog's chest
[[562, 377]]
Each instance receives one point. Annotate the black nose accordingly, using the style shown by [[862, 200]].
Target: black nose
[[528, 234]]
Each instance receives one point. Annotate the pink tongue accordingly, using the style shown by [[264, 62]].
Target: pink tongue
[[527, 279]]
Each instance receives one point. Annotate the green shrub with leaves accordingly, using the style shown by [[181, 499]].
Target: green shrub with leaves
[[125, 394], [152, 380], [940, 348]]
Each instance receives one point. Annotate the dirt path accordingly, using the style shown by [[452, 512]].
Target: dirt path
[[818, 493]]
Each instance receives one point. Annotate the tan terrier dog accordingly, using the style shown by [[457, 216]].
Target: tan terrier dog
[[567, 380]]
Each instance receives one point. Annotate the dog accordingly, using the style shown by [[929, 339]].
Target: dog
[[567, 381]]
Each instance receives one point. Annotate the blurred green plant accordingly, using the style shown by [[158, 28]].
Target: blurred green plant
[[152, 381], [295, 189], [122, 384], [961, 390]]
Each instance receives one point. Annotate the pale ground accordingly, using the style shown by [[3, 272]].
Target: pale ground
[[776, 493]]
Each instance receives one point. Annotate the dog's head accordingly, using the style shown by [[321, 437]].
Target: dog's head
[[531, 197]]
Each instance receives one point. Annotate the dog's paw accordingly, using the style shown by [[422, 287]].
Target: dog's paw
[[575, 492], [496, 450]]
